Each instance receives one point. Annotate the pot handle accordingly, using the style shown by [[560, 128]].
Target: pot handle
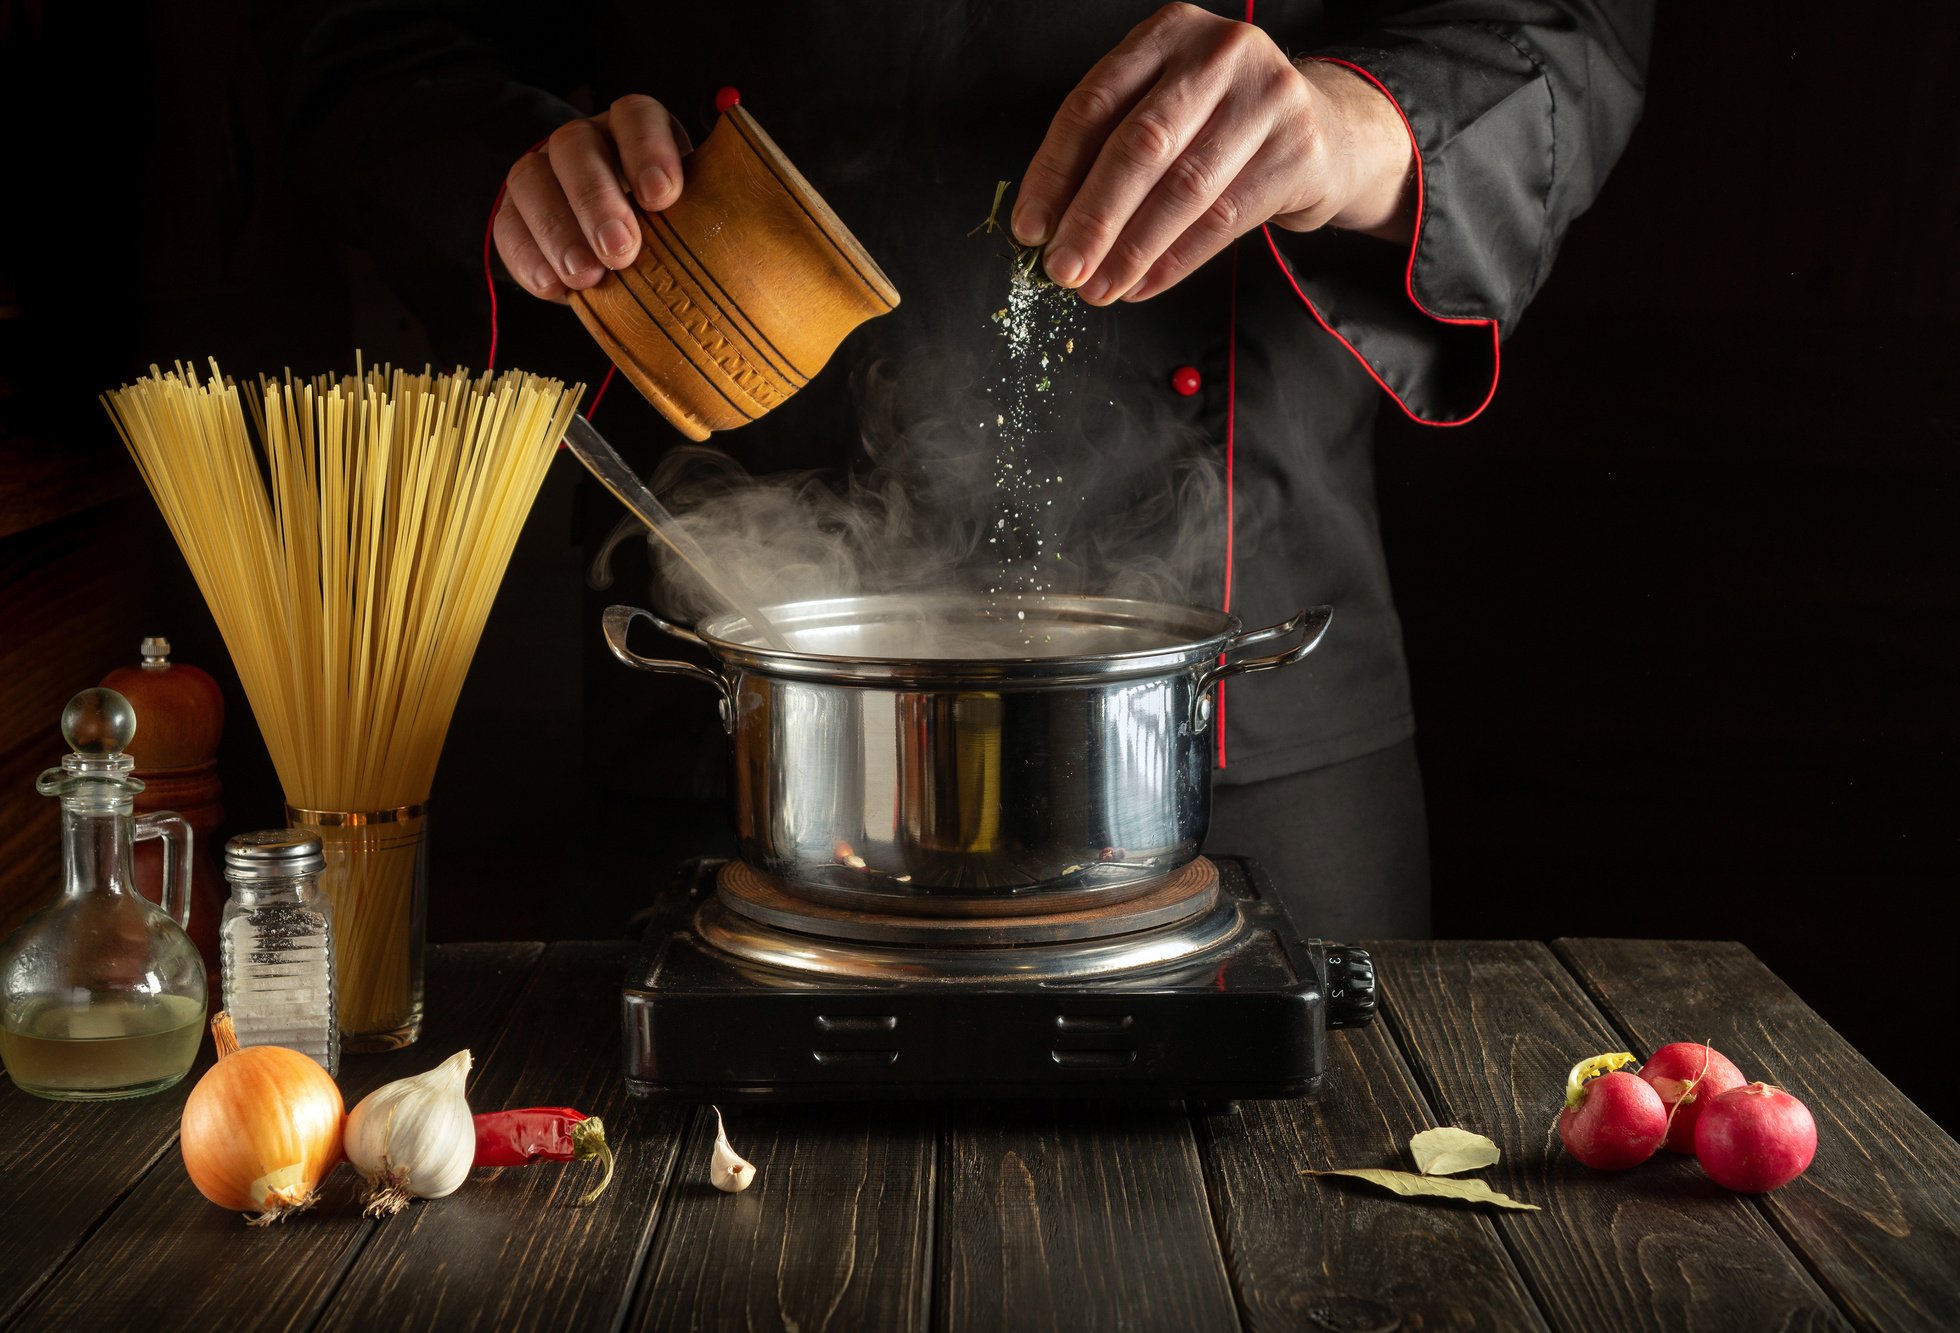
[[1309, 625], [618, 620]]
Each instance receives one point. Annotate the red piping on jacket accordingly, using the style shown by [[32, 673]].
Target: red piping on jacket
[[1408, 277], [1231, 457], [1231, 454], [490, 284]]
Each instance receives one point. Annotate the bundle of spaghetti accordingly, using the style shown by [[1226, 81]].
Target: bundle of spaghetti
[[349, 543]]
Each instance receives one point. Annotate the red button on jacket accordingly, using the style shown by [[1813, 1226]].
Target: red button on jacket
[[1186, 380]]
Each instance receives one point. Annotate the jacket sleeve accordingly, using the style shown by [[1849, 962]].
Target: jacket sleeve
[[1518, 109], [405, 116]]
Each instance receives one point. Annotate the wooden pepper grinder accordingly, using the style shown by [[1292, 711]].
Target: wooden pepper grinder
[[180, 714]]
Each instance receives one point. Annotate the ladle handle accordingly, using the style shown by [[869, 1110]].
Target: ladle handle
[[618, 621], [1310, 625]]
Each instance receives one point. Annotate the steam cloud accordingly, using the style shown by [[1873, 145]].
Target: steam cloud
[[1139, 511]]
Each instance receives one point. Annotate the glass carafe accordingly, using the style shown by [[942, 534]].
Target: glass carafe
[[101, 993]]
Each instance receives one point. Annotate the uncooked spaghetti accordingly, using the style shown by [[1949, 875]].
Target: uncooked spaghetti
[[349, 544]]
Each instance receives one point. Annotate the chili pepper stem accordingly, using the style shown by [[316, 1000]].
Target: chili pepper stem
[[588, 1141]]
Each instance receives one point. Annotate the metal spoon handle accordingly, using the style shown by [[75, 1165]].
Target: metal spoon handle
[[604, 462]]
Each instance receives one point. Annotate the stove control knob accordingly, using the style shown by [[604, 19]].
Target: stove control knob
[[1350, 987]]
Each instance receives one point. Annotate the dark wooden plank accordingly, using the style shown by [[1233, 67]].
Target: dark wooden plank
[[167, 1259], [64, 1165], [1878, 1214], [1077, 1218], [513, 1251], [1315, 1253], [835, 1234], [1491, 1028]]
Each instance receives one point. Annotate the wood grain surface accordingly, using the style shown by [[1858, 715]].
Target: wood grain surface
[[1077, 1218], [834, 1235], [516, 1251], [64, 1165], [1877, 1216], [1028, 1216], [1494, 1027], [1316, 1253], [168, 1259]]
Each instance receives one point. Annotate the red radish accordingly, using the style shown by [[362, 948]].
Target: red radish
[[1688, 1075], [1755, 1138], [1612, 1119]]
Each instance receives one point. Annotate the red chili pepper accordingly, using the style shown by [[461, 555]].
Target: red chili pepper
[[543, 1133]]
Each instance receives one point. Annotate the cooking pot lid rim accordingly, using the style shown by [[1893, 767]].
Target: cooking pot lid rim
[[1109, 612]]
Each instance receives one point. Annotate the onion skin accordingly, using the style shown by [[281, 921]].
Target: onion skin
[[261, 1130]]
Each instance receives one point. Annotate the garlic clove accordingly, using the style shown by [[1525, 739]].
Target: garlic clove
[[728, 1172]]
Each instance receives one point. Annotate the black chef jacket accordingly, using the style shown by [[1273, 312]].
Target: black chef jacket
[[904, 113]]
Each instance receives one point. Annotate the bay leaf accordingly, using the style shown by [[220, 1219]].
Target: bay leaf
[[1448, 1151], [1430, 1187]]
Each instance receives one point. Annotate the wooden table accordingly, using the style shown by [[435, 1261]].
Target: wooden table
[[1025, 1217]]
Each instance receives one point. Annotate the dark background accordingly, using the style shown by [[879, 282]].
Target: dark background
[[1681, 607]]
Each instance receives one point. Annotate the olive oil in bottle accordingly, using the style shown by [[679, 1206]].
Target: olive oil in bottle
[[117, 1047], [101, 993]]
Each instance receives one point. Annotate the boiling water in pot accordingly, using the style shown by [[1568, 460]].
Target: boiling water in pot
[[978, 641], [915, 627]]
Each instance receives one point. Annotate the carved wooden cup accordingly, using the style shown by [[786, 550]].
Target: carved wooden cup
[[741, 291]]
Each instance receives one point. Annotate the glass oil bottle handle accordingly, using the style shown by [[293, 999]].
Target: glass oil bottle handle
[[175, 831]]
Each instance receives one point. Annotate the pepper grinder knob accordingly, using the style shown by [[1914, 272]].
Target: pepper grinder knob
[[1350, 987], [98, 723]]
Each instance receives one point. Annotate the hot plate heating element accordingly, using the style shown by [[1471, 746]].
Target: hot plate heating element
[[1200, 987]]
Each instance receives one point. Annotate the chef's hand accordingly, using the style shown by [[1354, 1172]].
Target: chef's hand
[[568, 213], [1194, 131]]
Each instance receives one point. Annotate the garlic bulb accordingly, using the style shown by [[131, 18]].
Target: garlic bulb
[[414, 1138], [728, 1172]]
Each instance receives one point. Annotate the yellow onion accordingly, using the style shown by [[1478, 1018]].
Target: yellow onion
[[261, 1129]]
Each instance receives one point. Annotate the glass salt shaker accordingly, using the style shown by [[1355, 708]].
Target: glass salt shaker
[[102, 993], [276, 939]]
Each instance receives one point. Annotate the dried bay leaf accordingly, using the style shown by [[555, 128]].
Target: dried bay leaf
[[1410, 1184], [1447, 1152]]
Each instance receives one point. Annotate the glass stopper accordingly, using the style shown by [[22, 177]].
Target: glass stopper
[[98, 723]]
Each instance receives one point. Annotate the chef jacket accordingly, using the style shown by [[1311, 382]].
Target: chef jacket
[[904, 114]]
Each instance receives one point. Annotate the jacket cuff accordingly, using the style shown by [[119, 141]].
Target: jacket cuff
[[1438, 359]]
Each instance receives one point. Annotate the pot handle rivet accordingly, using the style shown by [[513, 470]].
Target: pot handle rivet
[[1310, 626]]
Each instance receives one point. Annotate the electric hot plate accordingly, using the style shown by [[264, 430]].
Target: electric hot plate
[[1200, 988]]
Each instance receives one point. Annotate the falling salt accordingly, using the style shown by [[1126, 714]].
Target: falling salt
[[1038, 327]]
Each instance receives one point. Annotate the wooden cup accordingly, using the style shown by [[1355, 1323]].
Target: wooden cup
[[741, 291]]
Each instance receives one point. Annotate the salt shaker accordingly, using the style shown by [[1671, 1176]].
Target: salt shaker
[[277, 943]]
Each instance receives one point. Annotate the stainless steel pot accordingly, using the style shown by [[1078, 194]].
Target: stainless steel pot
[[927, 754]]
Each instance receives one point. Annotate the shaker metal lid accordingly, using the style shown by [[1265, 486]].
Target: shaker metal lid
[[274, 853]]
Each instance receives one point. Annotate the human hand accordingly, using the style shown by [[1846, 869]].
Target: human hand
[[568, 211], [1193, 131]]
